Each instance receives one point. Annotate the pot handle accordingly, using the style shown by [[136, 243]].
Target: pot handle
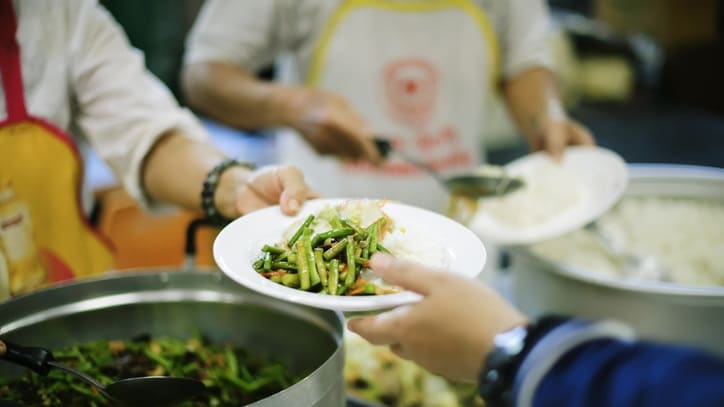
[[190, 246], [35, 359]]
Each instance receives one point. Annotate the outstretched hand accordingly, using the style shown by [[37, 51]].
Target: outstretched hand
[[450, 330], [241, 191]]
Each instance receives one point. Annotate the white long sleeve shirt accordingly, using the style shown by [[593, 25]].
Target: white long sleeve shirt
[[81, 74]]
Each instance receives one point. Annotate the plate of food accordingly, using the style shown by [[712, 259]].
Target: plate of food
[[556, 198], [320, 257]]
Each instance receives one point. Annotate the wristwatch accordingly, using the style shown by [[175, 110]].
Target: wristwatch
[[211, 182], [502, 363]]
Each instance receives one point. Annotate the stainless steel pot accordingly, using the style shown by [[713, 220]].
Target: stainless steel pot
[[176, 303], [674, 313]]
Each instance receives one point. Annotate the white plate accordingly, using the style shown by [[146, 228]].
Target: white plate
[[602, 176], [239, 245]]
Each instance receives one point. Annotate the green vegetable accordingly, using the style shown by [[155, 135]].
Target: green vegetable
[[273, 249], [331, 234], [309, 254], [351, 265], [372, 239], [299, 231], [302, 267], [305, 261], [291, 280], [321, 267], [233, 376], [333, 277], [335, 250]]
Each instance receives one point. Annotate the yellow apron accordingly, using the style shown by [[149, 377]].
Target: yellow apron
[[44, 236], [422, 72]]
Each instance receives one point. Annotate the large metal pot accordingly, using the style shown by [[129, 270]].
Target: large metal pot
[[175, 303], [684, 314]]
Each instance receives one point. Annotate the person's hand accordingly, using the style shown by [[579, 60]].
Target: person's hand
[[450, 331], [241, 191], [329, 124], [554, 134]]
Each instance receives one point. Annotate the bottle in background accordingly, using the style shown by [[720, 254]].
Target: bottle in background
[[4, 278], [25, 270]]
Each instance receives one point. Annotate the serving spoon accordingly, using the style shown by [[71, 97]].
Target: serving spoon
[[473, 186], [138, 391], [645, 267]]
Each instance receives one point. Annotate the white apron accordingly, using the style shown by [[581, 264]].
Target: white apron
[[421, 72]]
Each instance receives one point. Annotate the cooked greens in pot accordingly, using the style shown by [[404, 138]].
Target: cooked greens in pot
[[233, 376]]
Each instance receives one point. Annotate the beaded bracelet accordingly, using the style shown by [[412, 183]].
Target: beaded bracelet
[[211, 182]]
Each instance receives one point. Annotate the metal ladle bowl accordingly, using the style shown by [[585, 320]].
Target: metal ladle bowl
[[474, 186], [138, 391]]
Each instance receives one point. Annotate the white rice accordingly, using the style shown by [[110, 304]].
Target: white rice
[[415, 245], [549, 190], [686, 235]]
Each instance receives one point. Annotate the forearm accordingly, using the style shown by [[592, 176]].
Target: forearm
[[231, 95], [599, 365], [532, 99], [175, 168], [633, 375]]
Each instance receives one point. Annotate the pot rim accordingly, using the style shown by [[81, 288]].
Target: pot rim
[[653, 170], [27, 313], [640, 171]]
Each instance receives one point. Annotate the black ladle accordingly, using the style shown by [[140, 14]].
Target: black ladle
[[474, 186], [139, 391]]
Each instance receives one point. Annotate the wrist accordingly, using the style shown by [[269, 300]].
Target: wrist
[[551, 111], [503, 361], [288, 101], [218, 196]]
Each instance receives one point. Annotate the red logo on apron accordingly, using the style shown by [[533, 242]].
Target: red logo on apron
[[411, 90]]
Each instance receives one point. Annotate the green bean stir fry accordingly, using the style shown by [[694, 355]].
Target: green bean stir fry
[[233, 376], [329, 262]]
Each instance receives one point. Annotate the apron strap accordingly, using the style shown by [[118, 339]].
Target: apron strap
[[12, 77]]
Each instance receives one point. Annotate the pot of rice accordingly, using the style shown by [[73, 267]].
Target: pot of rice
[[673, 214]]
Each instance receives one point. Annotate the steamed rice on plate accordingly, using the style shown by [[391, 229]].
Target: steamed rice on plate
[[549, 191], [556, 197]]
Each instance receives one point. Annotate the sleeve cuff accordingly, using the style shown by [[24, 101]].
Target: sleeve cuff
[[555, 345]]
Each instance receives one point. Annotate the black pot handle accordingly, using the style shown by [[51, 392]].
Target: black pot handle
[[190, 249], [35, 359]]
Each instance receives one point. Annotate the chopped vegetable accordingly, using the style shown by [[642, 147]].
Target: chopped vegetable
[[329, 252], [233, 376]]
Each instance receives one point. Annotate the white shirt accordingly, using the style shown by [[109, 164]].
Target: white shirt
[[252, 33], [81, 74]]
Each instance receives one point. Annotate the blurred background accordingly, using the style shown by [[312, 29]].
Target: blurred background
[[644, 75]]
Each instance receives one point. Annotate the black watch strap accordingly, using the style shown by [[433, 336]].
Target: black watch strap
[[501, 365], [211, 182]]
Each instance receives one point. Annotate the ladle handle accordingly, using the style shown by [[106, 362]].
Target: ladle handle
[[384, 146], [35, 359]]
